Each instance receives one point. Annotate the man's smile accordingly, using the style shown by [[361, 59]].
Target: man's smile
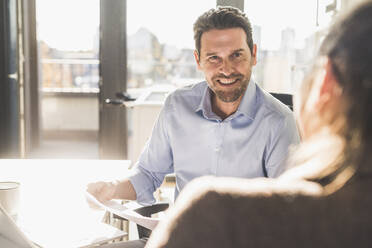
[[226, 81]]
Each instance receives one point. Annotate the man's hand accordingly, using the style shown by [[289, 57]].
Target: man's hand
[[103, 191]]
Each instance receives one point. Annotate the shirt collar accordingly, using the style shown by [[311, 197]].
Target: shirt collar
[[247, 107], [205, 105]]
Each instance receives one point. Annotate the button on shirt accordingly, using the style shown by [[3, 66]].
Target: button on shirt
[[190, 140]]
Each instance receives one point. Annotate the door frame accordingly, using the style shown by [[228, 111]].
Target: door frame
[[9, 84], [113, 79]]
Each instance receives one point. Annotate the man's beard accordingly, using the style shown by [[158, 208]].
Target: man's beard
[[233, 94], [230, 96]]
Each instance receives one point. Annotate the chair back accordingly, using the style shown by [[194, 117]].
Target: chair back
[[148, 211], [287, 99]]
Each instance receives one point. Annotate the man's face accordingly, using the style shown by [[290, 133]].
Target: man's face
[[226, 61]]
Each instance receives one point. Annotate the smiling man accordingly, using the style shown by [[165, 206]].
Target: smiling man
[[224, 126]]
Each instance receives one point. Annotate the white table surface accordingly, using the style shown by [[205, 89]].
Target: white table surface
[[52, 199]]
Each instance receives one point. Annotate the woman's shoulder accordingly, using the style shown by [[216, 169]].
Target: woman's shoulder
[[204, 187]]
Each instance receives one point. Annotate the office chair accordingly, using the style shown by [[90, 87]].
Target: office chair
[[287, 99], [146, 211]]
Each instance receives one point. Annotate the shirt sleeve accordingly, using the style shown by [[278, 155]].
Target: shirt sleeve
[[282, 137], [155, 161]]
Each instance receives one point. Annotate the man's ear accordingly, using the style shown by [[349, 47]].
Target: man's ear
[[254, 54], [197, 58]]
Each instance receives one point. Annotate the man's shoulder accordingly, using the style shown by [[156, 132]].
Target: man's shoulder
[[191, 89], [190, 94], [270, 105]]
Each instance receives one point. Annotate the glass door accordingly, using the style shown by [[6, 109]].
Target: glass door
[[82, 62]]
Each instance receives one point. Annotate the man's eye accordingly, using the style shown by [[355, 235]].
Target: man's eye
[[213, 59], [237, 55]]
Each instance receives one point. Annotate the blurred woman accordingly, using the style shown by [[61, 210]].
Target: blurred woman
[[325, 200]]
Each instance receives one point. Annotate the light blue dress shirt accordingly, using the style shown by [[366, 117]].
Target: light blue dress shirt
[[192, 141]]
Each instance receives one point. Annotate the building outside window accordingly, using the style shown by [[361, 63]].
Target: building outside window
[[68, 34]]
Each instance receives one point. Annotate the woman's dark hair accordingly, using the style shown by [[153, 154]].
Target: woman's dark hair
[[349, 48], [222, 18]]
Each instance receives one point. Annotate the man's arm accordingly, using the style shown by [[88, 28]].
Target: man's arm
[[282, 137], [156, 159], [154, 163]]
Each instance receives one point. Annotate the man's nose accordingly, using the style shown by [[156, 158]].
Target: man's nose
[[226, 68]]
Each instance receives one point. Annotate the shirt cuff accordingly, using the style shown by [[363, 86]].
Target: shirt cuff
[[143, 186]]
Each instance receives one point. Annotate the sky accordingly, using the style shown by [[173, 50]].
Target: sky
[[68, 24], [73, 24]]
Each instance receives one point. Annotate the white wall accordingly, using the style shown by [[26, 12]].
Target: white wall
[[70, 112]]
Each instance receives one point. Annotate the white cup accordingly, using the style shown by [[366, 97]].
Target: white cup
[[9, 197]]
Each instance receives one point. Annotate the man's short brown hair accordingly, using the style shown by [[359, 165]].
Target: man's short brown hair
[[222, 18]]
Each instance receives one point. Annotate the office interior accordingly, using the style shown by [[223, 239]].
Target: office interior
[[37, 109], [99, 104]]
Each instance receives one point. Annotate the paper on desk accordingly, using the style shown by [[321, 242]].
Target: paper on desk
[[124, 212]]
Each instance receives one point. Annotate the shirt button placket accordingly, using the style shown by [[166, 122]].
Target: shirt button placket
[[217, 148]]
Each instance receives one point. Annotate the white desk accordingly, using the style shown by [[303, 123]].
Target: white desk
[[52, 202]]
